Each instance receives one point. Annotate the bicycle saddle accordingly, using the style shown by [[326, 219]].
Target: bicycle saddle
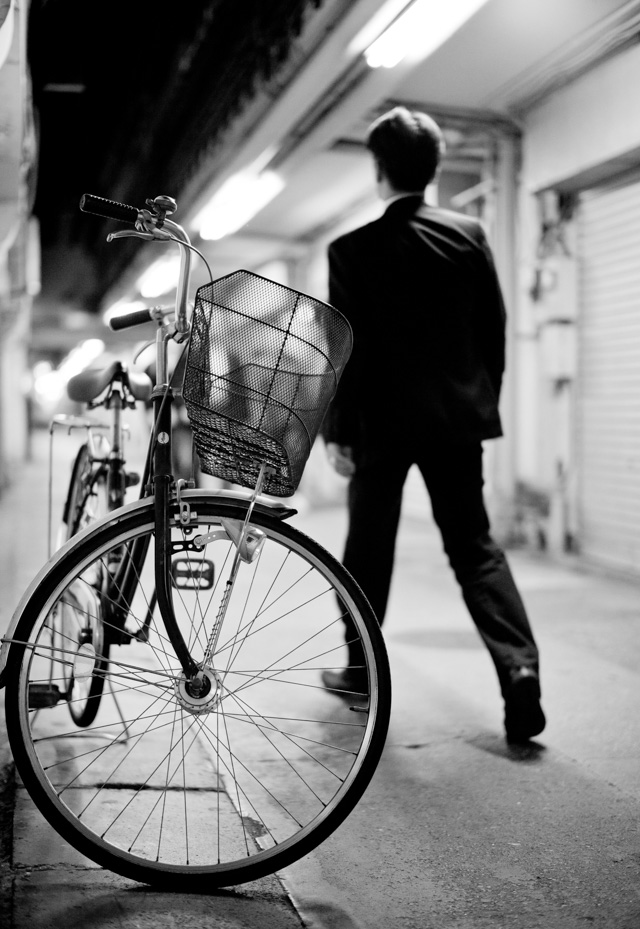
[[89, 384]]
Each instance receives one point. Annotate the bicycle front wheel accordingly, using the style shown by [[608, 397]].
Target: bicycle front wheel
[[202, 791]]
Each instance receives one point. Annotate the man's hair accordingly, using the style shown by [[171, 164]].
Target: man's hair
[[407, 147]]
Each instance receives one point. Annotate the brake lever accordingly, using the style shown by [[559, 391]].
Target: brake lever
[[130, 233], [157, 234]]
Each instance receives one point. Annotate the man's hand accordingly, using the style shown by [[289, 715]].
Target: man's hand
[[341, 459]]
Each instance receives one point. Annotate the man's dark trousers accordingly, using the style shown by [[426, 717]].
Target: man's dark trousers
[[453, 476]]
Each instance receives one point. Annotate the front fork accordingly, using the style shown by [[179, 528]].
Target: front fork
[[248, 542], [162, 481]]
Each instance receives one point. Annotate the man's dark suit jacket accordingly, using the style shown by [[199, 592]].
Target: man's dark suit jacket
[[420, 290]]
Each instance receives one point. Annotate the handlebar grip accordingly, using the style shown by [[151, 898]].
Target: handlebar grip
[[109, 209], [137, 318]]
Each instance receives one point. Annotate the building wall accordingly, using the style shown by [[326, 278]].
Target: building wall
[[582, 136], [19, 260], [587, 129]]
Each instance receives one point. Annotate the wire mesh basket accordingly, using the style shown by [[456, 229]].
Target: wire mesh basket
[[264, 362]]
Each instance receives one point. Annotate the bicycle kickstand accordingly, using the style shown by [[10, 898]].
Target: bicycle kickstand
[[125, 725]]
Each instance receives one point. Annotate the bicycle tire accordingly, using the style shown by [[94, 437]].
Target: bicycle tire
[[77, 627], [83, 504], [244, 784]]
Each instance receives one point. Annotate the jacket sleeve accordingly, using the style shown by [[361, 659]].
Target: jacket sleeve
[[493, 317], [340, 423]]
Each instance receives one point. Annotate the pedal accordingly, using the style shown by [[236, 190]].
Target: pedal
[[42, 696], [131, 479]]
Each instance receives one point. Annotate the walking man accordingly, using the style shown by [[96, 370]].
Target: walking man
[[422, 387]]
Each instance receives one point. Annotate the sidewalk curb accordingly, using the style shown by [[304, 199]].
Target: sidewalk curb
[[7, 797]]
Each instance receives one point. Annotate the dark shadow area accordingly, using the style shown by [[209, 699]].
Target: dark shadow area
[[76, 900], [528, 752], [325, 914]]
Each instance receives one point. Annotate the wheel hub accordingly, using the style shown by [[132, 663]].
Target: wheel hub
[[202, 698]]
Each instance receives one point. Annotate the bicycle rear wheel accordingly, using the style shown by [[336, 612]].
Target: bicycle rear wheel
[[76, 622], [202, 792], [86, 498]]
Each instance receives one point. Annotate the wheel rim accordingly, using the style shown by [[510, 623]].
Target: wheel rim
[[230, 783]]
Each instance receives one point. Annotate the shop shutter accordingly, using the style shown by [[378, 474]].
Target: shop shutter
[[608, 407]]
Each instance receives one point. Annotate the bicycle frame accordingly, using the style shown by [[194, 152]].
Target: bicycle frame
[[158, 468]]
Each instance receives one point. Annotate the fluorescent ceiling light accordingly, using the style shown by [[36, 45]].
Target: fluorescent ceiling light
[[239, 199], [160, 277], [421, 28], [81, 357], [376, 25], [50, 384]]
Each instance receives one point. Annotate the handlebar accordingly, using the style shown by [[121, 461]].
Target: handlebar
[[150, 223], [127, 320], [138, 317], [109, 209]]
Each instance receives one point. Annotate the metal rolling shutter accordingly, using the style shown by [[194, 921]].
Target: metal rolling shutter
[[608, 412]]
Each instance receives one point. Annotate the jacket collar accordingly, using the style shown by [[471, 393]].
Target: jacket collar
[[404, 204]]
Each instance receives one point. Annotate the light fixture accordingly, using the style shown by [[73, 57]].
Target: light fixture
[[49, 384], [160, 277], [81, 357], [239, 199], [420, 28]]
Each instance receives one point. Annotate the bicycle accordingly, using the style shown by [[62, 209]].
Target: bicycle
[[216, 756], [97, 485]]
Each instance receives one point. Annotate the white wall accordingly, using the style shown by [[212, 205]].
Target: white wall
[[581, 134], [585, 125]]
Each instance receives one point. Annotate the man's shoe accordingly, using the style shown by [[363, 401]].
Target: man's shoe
[[346, 683], [523, 716]]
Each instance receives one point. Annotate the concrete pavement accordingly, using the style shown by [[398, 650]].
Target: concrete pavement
[[457, 831]]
